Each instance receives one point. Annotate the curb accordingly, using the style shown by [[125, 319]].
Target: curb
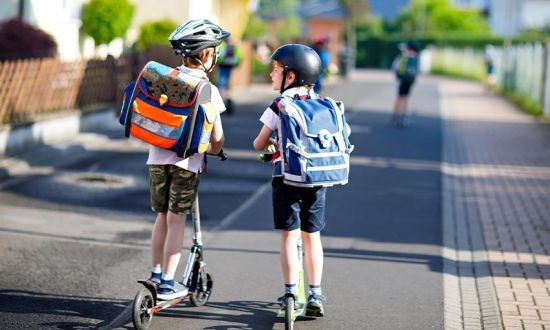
[[15, 140]]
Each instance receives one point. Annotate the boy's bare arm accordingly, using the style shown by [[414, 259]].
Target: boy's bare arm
[[264, 140], [216, 138]]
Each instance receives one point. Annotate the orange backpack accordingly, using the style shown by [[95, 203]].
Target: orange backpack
[[169, 109]]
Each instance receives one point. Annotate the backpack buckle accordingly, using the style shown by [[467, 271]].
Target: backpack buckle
[[325, 137]]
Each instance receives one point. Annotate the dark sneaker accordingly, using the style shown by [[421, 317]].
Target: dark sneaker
[[169, 290], [314, 306], [405, 121], [155, 278], [282, 301]]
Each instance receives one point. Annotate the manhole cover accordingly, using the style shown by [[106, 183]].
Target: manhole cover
[[97, 180]]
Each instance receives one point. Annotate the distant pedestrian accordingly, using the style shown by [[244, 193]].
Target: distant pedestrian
[[229, 58], [405, 67], [320, 46], [489, 59]]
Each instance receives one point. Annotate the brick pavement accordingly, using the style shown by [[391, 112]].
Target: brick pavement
[[496, 207]]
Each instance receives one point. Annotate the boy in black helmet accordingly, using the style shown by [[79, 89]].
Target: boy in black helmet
[[297, 211]]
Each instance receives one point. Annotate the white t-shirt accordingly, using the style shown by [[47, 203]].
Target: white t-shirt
[[159, 156]]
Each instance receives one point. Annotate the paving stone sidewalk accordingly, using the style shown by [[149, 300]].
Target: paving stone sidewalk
[[496, 207]]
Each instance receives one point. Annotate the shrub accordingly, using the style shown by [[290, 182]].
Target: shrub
[[20, 40], [155, 33]]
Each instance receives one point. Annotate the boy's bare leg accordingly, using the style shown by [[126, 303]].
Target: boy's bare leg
[[158, 237], [400, 107], [173, 243], [289, 255], [313, 257]]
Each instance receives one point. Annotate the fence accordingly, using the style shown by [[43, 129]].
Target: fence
[[522, 71], [30, 88]]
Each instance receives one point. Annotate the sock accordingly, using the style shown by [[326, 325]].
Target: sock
[[167, 279], [156, 270], [291, 288], [316, 290]]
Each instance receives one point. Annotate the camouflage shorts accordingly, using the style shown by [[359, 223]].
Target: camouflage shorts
[[172, 188]]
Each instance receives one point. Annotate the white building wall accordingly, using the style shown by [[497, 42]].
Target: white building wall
[[506, 16], [8, 9], [535, 13], [59, 18]]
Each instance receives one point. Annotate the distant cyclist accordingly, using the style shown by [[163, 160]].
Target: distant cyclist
[[229, 58], [406, 69], [320, 46]]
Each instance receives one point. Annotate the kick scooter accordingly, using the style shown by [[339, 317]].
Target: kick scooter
[[196, 278], [294, 306]]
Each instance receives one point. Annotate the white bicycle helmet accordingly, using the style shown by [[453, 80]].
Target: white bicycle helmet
[[190, 38]]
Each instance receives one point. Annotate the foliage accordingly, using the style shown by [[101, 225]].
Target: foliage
[[106, 20], [355, 10], [270, 8], [370, 26], [439, 17], [20, 40], [288, 28], [255, 28], [155, 33]]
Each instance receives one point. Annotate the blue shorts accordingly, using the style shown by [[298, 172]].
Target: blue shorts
[[224, 76], [296, 207]]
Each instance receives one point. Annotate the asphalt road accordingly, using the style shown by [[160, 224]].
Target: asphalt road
[[75, 226]]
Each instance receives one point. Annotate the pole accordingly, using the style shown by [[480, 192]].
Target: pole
[[546, 81]]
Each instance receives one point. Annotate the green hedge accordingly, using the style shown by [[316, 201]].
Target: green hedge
[[379, 51]]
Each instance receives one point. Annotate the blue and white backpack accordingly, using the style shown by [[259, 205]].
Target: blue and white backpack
[[315, 145]]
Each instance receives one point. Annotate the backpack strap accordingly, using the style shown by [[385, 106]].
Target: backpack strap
[[339, 137]]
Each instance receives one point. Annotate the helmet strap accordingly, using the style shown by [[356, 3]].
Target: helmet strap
[[294, 83], [196, 58], [283, 81]]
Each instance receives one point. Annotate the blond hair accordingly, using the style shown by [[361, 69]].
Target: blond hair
[[193, 63]]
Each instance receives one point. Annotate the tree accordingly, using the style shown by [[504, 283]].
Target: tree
[[106, 20], [356, 12], [439, 17], [255, 28], [155, 33]]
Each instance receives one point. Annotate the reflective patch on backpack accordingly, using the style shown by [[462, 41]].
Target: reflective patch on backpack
[[161, 109]]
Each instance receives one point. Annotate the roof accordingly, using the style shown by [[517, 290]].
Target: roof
[[387, 9], [322, 8]]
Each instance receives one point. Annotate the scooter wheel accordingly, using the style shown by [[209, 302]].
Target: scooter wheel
[[289, 313], [142, 303], [200, 296]]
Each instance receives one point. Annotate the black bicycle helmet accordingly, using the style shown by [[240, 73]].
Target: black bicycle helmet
[[196, 35], [301, 59]]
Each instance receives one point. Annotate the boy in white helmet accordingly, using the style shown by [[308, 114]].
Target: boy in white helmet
[[174, 181]]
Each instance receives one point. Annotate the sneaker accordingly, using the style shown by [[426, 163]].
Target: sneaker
[[155, 278], [282, 301], [405, 121], [168, 290], [314, 306]]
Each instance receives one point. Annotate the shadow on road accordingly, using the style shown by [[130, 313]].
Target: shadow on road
[[55, 311], [240, 314]]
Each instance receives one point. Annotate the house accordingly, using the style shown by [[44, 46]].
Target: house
[[61, 19], [510, 17], [387, 9]]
